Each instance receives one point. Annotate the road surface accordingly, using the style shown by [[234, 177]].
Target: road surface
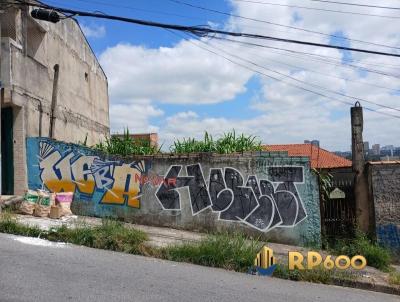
[[37, 270]]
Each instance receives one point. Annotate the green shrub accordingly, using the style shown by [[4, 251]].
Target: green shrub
[[126, 145], [377, 256], [228, 143], [233, 252]]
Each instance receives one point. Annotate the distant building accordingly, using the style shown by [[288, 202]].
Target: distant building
[[388, 147], [345, 154], [376, 149], [366, 147], [319, 158], [52, 86], [313, 142]]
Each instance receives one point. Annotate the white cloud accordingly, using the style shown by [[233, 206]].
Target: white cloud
[[93, 30], [134, 116], [186, 74]]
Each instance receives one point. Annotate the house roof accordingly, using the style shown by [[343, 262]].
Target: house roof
[[319, 157]]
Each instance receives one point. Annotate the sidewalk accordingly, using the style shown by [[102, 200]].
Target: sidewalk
[[370, 278]]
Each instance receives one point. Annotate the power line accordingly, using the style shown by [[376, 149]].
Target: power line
[[318, 9], [202, 31], [356, 4], [302, 82], [321, 73], [283, 81], [314, 57], [278, 24], [262, 21], [156, 12]]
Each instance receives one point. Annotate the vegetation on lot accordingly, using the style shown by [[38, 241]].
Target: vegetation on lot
[[316, 275], [9, 225], [376, 255], [232, 252], [394, 278], [229, 251], [229, 143], [125, 145], [110, 235]]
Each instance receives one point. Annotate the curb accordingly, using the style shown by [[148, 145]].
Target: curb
[[368, 286]]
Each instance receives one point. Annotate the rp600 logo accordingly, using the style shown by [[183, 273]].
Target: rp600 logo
[[314, 259]]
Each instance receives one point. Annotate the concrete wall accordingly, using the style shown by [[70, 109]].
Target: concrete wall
[[30, 49], [384, 181], [30, 54], [268, 194]]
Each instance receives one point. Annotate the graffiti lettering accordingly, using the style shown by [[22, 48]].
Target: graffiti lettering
[[116, 182], [263, 205]]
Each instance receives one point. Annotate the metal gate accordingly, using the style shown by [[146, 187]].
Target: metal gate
[[338, 217]]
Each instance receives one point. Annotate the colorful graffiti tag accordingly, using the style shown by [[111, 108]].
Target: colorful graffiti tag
[[262, 204], [71, 171]]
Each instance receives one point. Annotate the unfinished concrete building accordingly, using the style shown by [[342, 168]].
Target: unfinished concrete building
[[51, 85]]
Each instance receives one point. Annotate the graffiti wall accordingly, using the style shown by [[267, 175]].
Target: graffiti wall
[[385, 186], [264, 193]]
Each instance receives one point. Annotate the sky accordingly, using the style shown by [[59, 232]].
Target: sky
[[180, 86]]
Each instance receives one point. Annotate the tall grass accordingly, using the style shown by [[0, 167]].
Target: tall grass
[[125, 145], [232, 252], [10, 225], [376, 255], [110, 235], [394, 278], [229, 143], [316, 275]]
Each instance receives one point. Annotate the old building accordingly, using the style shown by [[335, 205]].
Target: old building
[[51, 85]]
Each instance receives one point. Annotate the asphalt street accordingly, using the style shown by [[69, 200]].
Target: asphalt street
[[37, 270]]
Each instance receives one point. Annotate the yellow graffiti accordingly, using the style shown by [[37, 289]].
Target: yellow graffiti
[[85, 181], [57, 186], [58, 175], [124, 177]]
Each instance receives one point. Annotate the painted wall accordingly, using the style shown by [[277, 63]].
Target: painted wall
[[267, 194], [385, 185]]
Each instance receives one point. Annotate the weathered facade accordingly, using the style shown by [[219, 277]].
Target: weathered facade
[[265, 193], [384, 183], [52, 85]]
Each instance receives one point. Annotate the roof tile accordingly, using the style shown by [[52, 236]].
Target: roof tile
[[320, 158]]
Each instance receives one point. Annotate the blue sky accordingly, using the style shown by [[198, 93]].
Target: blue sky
[[161, 83]]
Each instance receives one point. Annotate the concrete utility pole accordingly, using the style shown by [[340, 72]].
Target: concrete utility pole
[[360, 178]]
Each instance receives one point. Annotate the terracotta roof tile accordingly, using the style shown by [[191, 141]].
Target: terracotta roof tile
[[319, 157]]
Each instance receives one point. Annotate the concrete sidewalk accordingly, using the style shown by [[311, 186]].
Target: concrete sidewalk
[[370, 278]]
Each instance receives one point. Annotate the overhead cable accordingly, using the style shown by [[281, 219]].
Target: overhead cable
[[204, 31]]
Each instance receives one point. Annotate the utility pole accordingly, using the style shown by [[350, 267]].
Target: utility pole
[[360, 177]]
